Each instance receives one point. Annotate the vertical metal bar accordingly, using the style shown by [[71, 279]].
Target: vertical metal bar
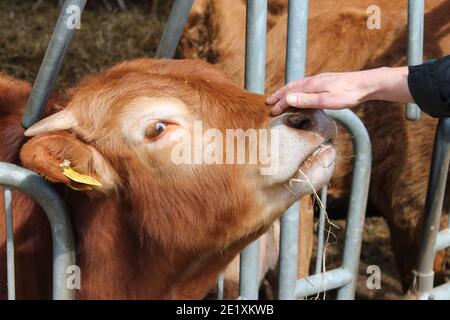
[[289, 230], [358, 200], [63, 242], [174, 28], [296, 40], [255, 74], [321, 231], [220, 283], [249, 272], [295, 69], [416, 11], [9, 244], [54, 56], [424, 274]]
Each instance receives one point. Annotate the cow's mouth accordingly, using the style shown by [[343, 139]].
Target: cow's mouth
[[320, 153], [318, 167]]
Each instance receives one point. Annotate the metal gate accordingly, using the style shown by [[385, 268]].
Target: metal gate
[[342, 278], [432, 240], [15, 177]]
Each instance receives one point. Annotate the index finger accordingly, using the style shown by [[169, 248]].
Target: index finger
[[280, 93]]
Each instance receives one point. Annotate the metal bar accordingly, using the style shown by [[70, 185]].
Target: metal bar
[[358, 200], [416, 11], [9, 244], [63, 240], [249, 272], [174, 28], [255, 74], [441, 292], [443, 240], [220, 284], [295, 69], [296, 40], [54, 56], [321, 231], [322, 282], [424, 274], [289, 233], [255, 46]]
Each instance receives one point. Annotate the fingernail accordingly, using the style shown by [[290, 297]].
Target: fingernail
[[269, 100], [292, 100]]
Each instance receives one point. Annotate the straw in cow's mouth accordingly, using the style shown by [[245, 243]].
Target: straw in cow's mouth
[[319, 201]]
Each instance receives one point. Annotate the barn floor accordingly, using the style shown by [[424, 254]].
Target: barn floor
[[375, 250], [107, 37]]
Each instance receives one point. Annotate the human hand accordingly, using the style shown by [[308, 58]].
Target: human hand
[[342, 90]]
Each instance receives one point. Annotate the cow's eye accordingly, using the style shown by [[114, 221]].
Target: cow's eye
[[155, 129]]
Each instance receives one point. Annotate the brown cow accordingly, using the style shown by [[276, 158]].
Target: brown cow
[[154, 228], [339, 40]]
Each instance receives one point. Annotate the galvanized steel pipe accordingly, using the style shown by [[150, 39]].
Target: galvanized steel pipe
[[416, 11], [53, 59], [63, 241], [174, 28], [295, 69], [362, 149], [255, 74], [424, 273]]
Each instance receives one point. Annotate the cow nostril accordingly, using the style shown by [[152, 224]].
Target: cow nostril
[[299, 121]]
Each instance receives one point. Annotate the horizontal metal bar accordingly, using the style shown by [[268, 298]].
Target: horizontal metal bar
[[438, 293], [443, 240], [174, 28], [63, 240], [321, 282]]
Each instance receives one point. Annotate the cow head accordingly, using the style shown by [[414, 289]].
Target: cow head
[[123, 126]]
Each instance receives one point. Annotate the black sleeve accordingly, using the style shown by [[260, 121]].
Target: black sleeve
[[429, 84]]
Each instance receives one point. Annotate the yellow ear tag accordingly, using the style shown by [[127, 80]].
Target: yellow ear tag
[[83, 179]]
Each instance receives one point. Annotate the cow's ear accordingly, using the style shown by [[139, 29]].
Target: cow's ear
[[61, 157]]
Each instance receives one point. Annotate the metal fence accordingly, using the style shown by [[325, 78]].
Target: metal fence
[[12, 176], [342, 278], [432, 240], [15, 177]]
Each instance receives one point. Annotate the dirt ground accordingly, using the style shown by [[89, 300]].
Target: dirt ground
[[110, 36], [105, 38], [375, 250]]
